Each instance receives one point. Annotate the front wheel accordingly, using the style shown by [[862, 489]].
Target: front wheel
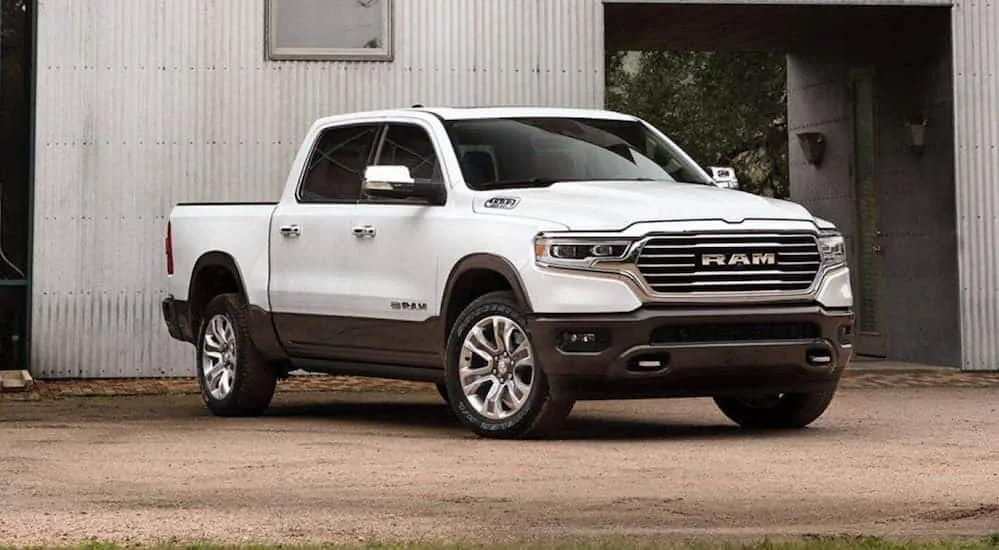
[[495, 385], [233, 379], [782, 411]]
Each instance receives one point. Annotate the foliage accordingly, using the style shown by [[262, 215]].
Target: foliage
[[724, 108]]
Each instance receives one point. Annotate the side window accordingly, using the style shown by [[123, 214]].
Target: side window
[[410, 145], [336, 167]]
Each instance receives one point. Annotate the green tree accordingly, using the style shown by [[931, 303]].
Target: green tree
[[723, 108]]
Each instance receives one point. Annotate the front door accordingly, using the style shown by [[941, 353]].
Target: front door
[[311, 277], [868, 259], [395, 301]]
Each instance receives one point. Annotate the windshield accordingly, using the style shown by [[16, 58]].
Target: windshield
[[498, 152]]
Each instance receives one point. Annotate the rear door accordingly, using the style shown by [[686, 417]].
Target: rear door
[[311, 243], [395, 300]]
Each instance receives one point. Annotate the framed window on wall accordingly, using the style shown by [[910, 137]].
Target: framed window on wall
[[329, 30]]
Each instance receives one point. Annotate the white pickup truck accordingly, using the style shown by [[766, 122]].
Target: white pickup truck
[[521, 259]]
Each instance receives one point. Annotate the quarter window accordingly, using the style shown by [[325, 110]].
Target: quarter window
[[332, 30], [336, 167]]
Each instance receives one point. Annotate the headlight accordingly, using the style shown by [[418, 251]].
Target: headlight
[[580, 253], [833, 249]]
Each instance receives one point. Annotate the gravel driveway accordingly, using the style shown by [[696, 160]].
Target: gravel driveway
[[357, 466]]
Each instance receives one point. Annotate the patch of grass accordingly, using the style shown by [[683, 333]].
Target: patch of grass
[[990, 542]]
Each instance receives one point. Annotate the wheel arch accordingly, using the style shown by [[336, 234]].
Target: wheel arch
[[473, 276], [217, 272], [214, 273]]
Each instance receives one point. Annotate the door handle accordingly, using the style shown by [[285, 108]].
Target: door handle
[[363, 231], [292, 230]]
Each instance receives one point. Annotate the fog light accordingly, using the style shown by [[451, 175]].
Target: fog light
[[583, 341]]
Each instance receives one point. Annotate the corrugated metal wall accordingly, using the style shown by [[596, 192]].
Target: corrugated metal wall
[[976, 107], [795, 2], [145, 103]]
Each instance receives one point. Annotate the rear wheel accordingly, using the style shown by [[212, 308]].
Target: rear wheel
[[781, 411], [495, 385], [233, 379]]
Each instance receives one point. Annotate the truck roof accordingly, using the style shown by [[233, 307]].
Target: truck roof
[[460, 113], [467, 113]]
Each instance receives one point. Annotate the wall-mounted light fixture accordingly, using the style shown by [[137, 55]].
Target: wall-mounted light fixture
[[917, 133], [813, 145]]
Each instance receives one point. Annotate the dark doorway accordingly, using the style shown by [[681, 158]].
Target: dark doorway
[[15, 179]]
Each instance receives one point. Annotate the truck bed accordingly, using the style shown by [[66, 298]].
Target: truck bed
[[240, 230]]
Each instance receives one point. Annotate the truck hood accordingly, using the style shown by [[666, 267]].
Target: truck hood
[[612, 206]]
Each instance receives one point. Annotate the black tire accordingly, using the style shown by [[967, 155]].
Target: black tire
[[541, 415], [788, 411], [253, 380]]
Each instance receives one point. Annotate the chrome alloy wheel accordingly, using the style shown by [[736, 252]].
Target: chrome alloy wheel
[[218, 356], [496, 367]]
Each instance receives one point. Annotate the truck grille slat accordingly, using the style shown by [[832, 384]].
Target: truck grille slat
[[769, 282], [785, 246], [737, 275], [715, 263]]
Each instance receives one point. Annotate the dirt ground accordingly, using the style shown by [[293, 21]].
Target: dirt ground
[[395, 465]]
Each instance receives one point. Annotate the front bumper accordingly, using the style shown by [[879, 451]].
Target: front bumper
[[660, 352]]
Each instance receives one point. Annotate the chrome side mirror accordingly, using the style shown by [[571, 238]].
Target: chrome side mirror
[[396, 182]]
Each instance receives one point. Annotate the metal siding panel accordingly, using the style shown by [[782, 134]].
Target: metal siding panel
[[976, 41], [795, 2], [145, 103]]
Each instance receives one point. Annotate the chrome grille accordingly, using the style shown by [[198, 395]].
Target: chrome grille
[[674, 264]]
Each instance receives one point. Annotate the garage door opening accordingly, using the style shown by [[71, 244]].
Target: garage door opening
[[847, 110]]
